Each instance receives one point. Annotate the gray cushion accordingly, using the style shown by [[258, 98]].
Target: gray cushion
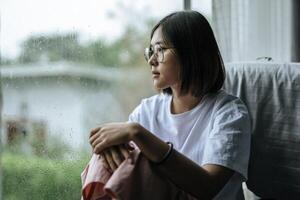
[[271, 92]]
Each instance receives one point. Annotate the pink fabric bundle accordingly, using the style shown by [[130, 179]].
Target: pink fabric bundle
[[99, 184], [135, 178]]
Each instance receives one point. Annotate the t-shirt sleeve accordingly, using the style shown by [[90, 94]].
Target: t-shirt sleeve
[[135, 116], [228, 143]]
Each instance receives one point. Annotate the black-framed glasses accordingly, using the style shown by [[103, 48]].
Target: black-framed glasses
[[156, 50]]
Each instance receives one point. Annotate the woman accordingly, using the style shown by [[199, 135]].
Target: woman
[[209, 129]]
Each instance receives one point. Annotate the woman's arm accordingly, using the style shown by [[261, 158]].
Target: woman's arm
[[202, 182]]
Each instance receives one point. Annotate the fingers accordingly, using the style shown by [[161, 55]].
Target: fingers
[[109, 160], [103, 159], [124, 151], [98, 142], [114, 156], [108, 135], [93, 137], [93, 131], [100, 145]]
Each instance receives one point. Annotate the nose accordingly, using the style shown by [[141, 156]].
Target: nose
[[153, 60]]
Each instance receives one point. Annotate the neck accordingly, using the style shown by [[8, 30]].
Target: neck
[[181, 104]]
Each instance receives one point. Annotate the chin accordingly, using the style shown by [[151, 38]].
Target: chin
[[159, 86]]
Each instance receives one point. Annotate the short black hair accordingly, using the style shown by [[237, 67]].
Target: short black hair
[[202, 68]]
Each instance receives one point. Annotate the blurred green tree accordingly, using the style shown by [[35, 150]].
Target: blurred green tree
[[52, 47], [127, 50]]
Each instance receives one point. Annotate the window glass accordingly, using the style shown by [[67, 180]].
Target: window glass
[[66, 67]]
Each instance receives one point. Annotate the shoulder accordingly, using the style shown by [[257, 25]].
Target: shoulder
[[148, 107], [154, 101], [230, 111], [229, 103]]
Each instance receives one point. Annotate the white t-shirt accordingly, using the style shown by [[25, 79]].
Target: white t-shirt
[[216, 131]]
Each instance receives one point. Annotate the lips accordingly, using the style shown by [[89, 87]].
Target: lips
[[155, 74]]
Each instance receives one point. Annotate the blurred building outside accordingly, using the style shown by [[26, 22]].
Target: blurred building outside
[[66, 100]]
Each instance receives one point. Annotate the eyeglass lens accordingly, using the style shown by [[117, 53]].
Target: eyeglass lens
[[157, 50]]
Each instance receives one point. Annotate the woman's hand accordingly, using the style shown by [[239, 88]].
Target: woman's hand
[[111, 142], [113, 157], [112, 134]]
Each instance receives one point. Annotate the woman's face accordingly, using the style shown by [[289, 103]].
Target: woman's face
[[165, 74]]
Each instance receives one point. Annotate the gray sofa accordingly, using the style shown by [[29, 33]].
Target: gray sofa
[[271, 92]]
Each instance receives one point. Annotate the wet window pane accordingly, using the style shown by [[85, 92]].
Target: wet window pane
[[66, 67]]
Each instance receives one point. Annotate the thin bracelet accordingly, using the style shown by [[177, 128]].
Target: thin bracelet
[[167, 154]]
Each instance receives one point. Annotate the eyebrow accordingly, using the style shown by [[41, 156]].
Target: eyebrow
[[158, 42]]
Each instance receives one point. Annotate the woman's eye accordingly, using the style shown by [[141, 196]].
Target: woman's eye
[[159, 49]]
